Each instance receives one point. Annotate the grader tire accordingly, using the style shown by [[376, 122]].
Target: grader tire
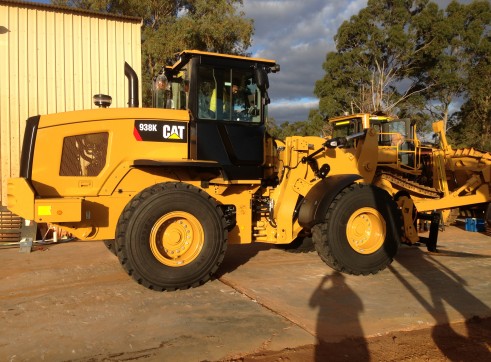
[[171, 236], [361, 232]]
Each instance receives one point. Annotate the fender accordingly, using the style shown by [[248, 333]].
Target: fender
[[199, 165], [316, 203]]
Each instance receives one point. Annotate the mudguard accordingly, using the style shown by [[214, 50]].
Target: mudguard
[[316, 203]]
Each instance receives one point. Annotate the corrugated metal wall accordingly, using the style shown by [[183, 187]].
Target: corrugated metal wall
[[55, 60]]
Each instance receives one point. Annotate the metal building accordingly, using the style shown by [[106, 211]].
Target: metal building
[[54, 59]]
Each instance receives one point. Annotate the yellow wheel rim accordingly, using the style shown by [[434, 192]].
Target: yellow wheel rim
[[366, 230], [176, 239]]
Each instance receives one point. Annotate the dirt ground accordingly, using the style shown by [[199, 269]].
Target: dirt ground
[[470, 341], [73, 302]]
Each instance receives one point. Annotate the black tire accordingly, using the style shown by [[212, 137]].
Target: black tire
[[111, 245], [171, 236], [487, 214], [366, 213]]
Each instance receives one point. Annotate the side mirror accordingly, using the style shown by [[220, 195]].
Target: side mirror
[[262, 80], [336, 142]]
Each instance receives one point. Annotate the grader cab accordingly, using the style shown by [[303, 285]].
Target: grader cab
[[169, 187]]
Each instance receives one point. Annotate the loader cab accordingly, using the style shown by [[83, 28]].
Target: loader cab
[[398, 144], [227, 98]]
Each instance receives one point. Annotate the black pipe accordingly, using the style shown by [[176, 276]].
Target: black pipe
[[132, 85]]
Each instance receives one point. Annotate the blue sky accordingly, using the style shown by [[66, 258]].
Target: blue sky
[[298, 35]]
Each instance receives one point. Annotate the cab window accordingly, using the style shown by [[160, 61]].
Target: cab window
[[171, 92], [228, 95]]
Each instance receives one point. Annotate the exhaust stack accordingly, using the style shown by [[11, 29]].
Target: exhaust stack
[[132, 85]]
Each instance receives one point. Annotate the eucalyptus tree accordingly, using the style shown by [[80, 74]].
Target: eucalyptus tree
[[376, 65], [413, 59], [471, 126]]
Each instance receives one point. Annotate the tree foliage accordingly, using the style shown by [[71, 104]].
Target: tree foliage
[[471, 126], [316, 125], [170, 26], [413, 59], [375, 67]]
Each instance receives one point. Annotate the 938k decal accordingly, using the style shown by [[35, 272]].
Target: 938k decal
[[161, 131]]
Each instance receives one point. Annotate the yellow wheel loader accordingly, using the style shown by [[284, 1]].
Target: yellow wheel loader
[[169, 187], [423, 178]]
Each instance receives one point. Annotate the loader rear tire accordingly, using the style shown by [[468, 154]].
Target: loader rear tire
[[171, 236], [361, 232]]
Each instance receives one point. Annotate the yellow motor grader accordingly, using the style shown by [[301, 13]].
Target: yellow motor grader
[[169, 187]]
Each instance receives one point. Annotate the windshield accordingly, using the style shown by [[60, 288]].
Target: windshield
[[228, 95]]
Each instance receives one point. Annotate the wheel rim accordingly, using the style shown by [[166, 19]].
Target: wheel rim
[[176, 239], [366, 230]]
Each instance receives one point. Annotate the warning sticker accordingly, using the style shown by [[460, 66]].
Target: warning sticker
[[44, 210], [161, 131]]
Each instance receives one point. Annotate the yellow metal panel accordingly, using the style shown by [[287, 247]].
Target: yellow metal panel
[[46, 171], [20, 198], [58, 210]]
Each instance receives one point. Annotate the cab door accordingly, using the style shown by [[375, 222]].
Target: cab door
[[228, 126]]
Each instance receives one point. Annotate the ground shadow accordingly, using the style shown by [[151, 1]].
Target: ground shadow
[[237, 255], [447, 290], [336, 321]]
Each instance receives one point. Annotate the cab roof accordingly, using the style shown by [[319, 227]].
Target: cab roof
[[185, 55]]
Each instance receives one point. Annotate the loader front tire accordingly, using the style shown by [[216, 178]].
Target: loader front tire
[[361, 231], [171, 236], [111, 246]]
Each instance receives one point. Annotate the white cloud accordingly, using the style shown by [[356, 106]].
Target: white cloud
[[292, 109], [298, 35]]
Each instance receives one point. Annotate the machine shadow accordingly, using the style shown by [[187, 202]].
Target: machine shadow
[[237, 255], [447, 289], [331, 296]]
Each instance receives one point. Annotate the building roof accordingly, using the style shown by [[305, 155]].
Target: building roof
[[71, 10]]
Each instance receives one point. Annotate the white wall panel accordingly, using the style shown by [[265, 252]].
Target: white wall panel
[[54, 60]]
